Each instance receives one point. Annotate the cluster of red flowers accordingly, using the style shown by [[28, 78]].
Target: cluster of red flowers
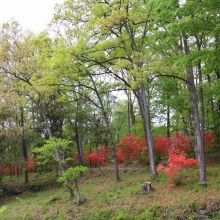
[[176, 162], [161, 146], [100, 156], [181, 142], [131, 148]]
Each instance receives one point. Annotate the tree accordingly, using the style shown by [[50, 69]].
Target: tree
[[176, 162], [117, 46], [26, 62], [10, 60], [72, 174], [182, 33]]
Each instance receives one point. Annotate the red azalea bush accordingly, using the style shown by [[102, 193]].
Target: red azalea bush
[[131, 148], [181, 142], [100, 156], [94, 158], [120, 157], [161, 146], [86, 151], [176, 162]]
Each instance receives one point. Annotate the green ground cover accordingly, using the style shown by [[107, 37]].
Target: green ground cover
[[106, 199]]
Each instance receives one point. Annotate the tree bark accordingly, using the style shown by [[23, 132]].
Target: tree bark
[[193, 99], [168, 121], [78, 143], [218, 110], [201, 104], [131, 116], [24, 147], [107, 127], [144, 108]]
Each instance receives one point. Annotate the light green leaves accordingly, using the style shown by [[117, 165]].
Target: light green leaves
[[72, 173], [46, 153]]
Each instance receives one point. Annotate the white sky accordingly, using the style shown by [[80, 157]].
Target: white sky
[[31, 14]]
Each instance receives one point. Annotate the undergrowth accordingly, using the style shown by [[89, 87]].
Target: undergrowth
[[124, 200]]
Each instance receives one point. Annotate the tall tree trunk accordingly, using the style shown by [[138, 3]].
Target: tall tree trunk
[[97, 151], [193, 98], [142, 98], [144, 109], [78, 144], [79, 136], [131, 116], [168, 121], [24, 147], [201, 104], [129, 112], [202, 110], [218, 113], [108, 128], [217, 72]]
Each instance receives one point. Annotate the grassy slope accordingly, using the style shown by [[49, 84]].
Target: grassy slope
[[106, 199]]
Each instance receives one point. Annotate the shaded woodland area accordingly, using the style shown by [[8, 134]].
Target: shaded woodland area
[[111, 83]]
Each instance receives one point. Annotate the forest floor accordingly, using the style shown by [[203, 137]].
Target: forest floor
[[106, 199]]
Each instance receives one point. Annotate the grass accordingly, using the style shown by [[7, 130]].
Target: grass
[[106, 199]]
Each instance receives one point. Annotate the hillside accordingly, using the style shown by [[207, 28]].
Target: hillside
[[106, 199]]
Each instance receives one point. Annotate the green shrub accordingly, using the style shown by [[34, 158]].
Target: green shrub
[[53, 199], [3, 209], [102, 214], [120, 215], [192, 205], [154, 212]]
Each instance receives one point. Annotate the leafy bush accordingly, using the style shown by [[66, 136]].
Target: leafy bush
[[181, 142], [3, 209], [46, 156], [53, 199], [120, 215], [131, 148], [94, 158], [72, 173], [99, 155], [102, 214], [176, 162], [161, 146]]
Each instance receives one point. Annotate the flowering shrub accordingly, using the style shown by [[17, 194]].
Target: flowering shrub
[[94, 158], [181, 142], [161, 146], [100, 156], [176, 162], [131, 148], [120, 157]]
